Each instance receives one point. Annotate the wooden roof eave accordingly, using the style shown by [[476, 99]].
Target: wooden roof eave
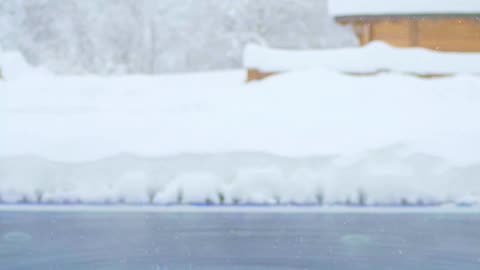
[[353, 18]]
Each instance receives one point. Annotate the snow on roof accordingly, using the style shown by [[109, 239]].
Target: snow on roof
[[375, 57], [388, 7]]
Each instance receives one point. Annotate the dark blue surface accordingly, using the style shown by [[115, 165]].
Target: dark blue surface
[[135, 241]]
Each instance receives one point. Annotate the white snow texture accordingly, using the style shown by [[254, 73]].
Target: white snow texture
[[372, 58], [309, 136]]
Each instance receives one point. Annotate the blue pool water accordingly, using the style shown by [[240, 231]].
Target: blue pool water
[[158, 241]]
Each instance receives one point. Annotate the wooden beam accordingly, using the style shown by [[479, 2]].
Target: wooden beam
[[414, 32], [257, 75]]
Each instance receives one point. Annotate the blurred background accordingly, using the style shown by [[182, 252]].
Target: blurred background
[[149, 36]]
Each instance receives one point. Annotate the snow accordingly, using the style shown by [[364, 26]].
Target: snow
[[257, 209], [382, 7], [153, 37], [306, 137], [374, 57], [14, 66]]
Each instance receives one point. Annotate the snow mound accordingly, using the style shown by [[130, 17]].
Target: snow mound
[[374, 57], [13, 66], [305, 137], [391, 176]]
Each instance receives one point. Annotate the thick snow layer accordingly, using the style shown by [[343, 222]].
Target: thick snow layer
[[385, 7], [239, 209], [383, 177], [306, 137], [13, 66], [375, 57]]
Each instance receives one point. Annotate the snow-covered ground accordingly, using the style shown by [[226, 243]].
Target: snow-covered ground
[[312, 136]]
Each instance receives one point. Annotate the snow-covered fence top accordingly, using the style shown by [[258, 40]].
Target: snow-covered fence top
[[373, 58], [387, 7]]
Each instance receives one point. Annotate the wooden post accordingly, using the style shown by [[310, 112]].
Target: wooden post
[[414, 32], [367, 33]]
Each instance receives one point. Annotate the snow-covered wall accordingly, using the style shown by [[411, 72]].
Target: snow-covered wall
[[372, 58], [150, 36]]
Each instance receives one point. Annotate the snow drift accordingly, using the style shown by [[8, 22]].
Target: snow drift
[[312, 136], [373, 58], [383, 177], [13, 66]]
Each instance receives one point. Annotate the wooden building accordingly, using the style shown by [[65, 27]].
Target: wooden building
[[444, 25]]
